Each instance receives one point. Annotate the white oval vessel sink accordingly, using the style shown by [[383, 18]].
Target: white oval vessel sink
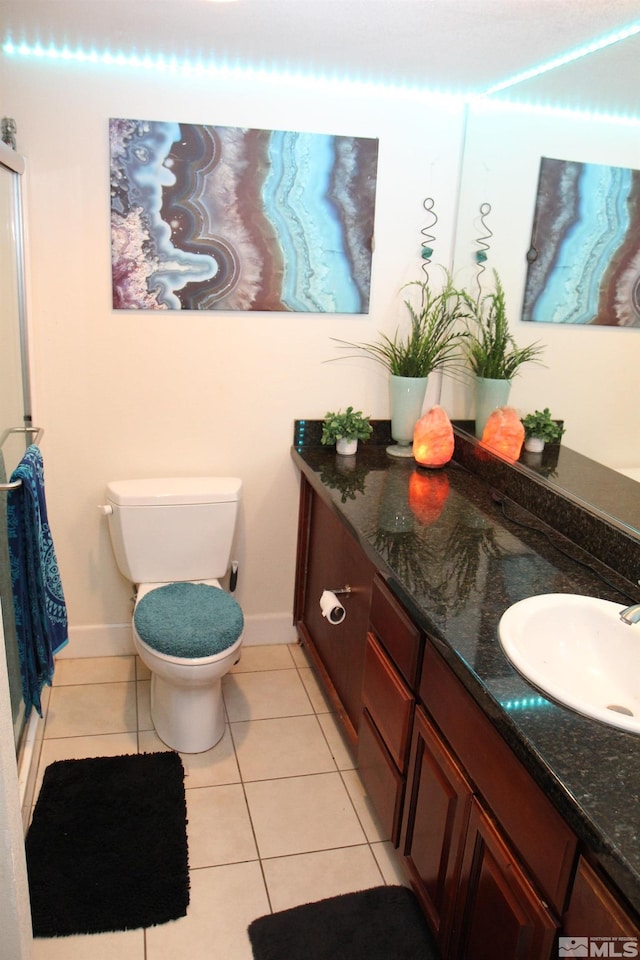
[[577, 651]]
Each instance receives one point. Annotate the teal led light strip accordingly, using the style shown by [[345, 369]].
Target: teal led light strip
[[173, 65], [497, 104], [570, 57], [525, 703]]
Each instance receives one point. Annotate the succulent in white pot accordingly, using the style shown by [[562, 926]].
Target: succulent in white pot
[[345, 429], [540, 428]]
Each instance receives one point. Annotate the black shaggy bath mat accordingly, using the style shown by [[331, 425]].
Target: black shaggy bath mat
[[383, 923], [107, 846]]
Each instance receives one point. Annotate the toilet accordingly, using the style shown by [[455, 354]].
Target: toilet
[[172, 539]]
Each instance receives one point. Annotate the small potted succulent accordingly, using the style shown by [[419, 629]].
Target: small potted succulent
[[540, 428], [345, 429]]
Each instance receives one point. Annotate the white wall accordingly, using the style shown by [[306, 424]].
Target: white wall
[[124, 394], [589, 375]]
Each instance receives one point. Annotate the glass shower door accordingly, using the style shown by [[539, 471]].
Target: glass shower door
[[14, 404]]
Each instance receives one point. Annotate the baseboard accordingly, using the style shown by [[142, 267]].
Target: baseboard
[[115, 640]]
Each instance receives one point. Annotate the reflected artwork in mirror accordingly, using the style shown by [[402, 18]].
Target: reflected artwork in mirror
[[584, 258], [585, 113]]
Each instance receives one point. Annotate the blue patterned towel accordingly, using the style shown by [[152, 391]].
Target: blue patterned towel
[[40, 611]]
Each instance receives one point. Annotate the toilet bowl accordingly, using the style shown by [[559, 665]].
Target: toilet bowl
[[187, 708], [172, 538]]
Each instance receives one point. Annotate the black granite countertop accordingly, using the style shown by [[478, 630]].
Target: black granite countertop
[[457, 553]]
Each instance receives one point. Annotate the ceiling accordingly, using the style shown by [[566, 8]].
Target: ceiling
[[461, 46]]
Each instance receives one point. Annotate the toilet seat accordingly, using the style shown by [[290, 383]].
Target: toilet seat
[[187, 620]]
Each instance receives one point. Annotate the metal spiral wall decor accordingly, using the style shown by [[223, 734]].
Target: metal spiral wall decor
[[482, 254], [429, 238]]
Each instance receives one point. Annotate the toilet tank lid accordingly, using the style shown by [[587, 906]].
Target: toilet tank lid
[[166, 490]]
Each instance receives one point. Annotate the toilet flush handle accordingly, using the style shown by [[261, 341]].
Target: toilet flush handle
[[105, 509]]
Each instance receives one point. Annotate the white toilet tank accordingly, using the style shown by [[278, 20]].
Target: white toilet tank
[[178, 528]]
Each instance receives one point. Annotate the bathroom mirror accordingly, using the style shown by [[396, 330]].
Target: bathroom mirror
[[590, 373]]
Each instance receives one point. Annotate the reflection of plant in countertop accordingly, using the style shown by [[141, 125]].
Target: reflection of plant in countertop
[[347, 481], [457, 558]]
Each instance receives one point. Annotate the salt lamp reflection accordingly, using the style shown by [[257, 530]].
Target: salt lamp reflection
[[504, 433], [428, 494], [433, 439]]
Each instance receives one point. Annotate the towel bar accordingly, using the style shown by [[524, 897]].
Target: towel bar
[[7, 433]]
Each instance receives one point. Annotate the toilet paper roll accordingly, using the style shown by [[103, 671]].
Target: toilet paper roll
[[331, 607]]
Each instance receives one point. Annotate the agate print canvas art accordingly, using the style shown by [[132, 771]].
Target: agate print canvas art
[[227, 218], [584, 260]]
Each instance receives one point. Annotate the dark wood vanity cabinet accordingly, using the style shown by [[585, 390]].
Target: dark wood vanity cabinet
[[488, 854], [329, 558], [393, 653], [498, 871]]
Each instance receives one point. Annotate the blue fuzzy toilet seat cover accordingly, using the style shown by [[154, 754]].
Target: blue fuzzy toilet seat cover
[[188, 620]]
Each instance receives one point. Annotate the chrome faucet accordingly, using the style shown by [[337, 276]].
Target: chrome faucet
[[631, 614]]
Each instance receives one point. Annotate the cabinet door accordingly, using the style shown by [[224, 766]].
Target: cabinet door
[[594, 911], [333, 560], [498, 911], [436, 812], [381, 779]]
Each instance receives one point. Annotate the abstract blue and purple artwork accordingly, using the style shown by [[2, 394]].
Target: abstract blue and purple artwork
[[584, 260], [228, 218]]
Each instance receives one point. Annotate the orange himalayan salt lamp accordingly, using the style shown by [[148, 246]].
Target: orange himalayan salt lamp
[[433, 439], [428, 494], [504, 433]]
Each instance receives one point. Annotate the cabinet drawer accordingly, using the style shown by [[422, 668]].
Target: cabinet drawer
[[388, 700], [397, 633], [380, 777], [529, 819]]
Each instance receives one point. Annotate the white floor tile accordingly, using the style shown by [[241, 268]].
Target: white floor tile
[[219, 828], [265, 657], [337, 742], [388, 859], [301, 814], [320, 702], [224, 901], [128, 945], [94, 670], [91, 709], [314, 876], [266, 694], [283, 747], [213, 767], [143, 703]]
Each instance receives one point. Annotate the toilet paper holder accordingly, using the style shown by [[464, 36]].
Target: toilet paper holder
[[331, 607]]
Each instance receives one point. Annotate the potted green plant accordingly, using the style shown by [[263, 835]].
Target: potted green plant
[[430, 343], [345, 429], [540, 428], [491, 350]]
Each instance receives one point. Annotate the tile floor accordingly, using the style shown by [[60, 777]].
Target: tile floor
[[277, 814]]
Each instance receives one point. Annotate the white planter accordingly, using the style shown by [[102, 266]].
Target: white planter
[[406, 400], [346, 447], [534, 444], [490, 395]]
